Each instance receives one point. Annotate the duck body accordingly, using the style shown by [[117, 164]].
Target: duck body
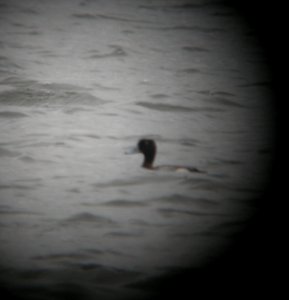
[[148, 148]]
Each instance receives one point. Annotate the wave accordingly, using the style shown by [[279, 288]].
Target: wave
[[177, 108], [33, 93], [226, 102], [265, 84], [4, 152], [58, 257], [141, 180], [8, 66], [223, 93], [194, 49], [97, 17], [196, 29], [16, 187], [124, 203], [159, 96], [147, 24], [204, 184], [172, 212], [29, 11], [12, 114], [164, 107], [88, 218], [224, 98], [174, 7], [117, 51], [10, 211], [188, 71], [31, 160], [122, 234], [80, 280], [182, 200]]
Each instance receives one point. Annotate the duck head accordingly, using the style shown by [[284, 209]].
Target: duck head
[[148, 148]]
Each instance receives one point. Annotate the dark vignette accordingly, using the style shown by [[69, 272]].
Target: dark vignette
[[252, 264], [249, 265]]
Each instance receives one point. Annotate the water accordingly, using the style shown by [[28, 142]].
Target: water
[[80, 82]]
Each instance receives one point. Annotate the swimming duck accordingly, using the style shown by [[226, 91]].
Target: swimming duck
[[148, 148]]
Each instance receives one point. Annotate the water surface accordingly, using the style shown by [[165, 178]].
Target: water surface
[[80, 82]]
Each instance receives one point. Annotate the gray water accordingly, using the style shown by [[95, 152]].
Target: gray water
[[81, 82]]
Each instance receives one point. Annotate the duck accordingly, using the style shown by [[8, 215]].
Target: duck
[[148, 148]]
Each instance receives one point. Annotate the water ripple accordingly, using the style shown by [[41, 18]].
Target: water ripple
[[87, 218], [12, 114], [117, 51], [124, 203], [177, 108], [33, 93]]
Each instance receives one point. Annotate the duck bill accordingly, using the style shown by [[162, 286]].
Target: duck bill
[[132, 150]]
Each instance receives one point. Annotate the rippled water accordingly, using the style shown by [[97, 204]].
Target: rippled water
[[80, 82]]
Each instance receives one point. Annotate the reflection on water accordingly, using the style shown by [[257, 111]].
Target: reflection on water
[[80, 82]]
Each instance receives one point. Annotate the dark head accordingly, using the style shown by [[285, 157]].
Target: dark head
[[148, 148]]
